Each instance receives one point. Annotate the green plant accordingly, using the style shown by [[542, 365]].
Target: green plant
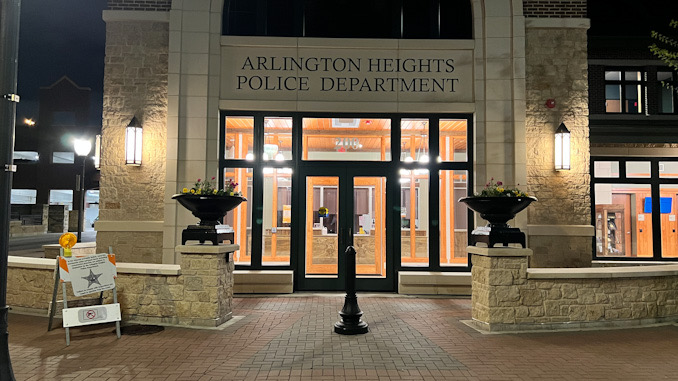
[[206, 188], [497, 189]]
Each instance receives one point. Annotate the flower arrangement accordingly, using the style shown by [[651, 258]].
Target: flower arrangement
[[206, 188], [497, 189]]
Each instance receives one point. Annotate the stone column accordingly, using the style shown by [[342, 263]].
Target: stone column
[[496, 277], [207, 274]]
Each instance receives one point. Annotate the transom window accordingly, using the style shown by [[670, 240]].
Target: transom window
[[409, 19]]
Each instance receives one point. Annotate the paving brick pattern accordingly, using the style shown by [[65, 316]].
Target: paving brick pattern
[[290, 338]]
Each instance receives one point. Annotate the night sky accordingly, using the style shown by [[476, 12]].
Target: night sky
[[57, 38], [67, 37]]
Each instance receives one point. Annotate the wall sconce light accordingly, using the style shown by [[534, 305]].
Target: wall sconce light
[[562, 148], [133, 142]]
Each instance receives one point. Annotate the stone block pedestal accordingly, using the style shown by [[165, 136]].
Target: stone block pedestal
[[207, 274], [497, 275]]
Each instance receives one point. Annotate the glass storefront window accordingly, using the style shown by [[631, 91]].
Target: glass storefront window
[[638, 169], [277, 139], [277, 216], [668, 169], [414, 217], [623, 220], [453, 143], [669, 225], [239, 139], [239, 220], [369, 225], [322, 225], [346, 139], [606, 169], [453, 219], [414, 141]]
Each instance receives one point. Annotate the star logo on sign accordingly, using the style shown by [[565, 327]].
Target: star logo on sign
[[92, 278]]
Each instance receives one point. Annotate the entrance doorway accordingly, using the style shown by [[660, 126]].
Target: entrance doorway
[[344, 207]]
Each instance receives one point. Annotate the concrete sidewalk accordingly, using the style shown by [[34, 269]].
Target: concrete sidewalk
[[290, 338]]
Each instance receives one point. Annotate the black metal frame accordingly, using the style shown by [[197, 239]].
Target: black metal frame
[[623, 83], [674, 89], [394, 11], [654, 181], [389, 169]]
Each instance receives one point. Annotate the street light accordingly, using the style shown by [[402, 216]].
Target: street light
[[82, 148]]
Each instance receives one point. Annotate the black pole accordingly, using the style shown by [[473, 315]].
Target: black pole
[[9, 52], [350, 323], [81, 212]]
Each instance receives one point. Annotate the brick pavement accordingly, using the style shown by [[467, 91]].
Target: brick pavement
[[291, 338]]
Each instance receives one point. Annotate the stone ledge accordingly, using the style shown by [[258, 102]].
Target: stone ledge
[[122, 267], [610, 263], [578, 23], [501, 251], [152, 16], [205, 248], [602, 272], [502, 328], [82, 248]]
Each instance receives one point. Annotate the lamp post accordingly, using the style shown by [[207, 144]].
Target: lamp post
[[82, 148]]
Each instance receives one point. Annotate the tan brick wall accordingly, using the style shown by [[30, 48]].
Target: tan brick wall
[[504, 296], [135, 84], [556, 68]]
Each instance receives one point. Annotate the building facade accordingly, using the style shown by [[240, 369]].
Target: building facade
[[344, 132], [633, 148], [47, 167]]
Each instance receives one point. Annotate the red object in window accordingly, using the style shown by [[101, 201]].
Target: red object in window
[[635, 104], [550, 103]]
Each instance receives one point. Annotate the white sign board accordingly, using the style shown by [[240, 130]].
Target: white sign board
[[89, 274], [75, 317]]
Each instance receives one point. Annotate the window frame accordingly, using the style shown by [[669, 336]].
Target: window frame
[[390, 169], [623, 82], [655, 182], [673, 82]]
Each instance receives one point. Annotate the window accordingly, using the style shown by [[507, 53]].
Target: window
[[63, 157], [239, 138], [667, 92], [61, 197], [239, 220], [346, 139], [635, 214], [26, 157], [624, 91], [23, 196], [414, 19]]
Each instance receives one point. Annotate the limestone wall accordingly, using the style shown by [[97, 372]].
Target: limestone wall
[[509, 296], [198, 294], [556, 68], [135, 84]]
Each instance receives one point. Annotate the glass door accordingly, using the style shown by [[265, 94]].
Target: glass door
[[344, 208]]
